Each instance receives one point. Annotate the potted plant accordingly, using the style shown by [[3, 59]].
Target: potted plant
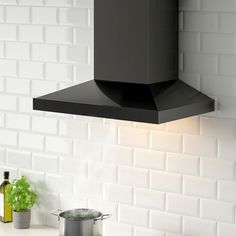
[[21, 198]]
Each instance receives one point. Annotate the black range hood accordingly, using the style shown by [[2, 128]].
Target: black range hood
[[135, 67]]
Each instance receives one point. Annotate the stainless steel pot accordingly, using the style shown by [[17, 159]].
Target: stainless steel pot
[[81, 222]]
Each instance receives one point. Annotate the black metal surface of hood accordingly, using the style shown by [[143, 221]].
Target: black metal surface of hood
[[135, 67], [157, 103]]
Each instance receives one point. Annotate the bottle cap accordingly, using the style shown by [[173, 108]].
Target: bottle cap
[[6, 174]]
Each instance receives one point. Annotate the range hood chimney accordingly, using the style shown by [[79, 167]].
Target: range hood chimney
[[135, 67]]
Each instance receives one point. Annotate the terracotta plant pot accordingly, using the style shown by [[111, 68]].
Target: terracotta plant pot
[[22, 219]]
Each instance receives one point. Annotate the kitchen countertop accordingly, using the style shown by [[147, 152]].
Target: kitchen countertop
[[35, 230]]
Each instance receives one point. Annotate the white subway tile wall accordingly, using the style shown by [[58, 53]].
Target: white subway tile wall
[[157, 180]]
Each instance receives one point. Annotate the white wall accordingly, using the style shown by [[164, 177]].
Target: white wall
[[177, 178]]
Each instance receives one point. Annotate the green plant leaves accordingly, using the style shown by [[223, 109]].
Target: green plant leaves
[[19, 195]]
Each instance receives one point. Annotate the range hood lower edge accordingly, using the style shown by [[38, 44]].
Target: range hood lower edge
[[109, 100]]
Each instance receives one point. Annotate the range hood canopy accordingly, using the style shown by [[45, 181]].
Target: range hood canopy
[[135, 67]]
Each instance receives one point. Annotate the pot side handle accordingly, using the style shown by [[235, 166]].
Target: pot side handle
[[57, 213], [103, 217]]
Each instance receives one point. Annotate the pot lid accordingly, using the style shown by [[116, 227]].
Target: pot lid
[[80, 214]]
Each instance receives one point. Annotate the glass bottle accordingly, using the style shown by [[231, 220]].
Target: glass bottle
[[5, 209]]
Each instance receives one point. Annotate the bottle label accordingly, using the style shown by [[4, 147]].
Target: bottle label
[[1, 205]]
